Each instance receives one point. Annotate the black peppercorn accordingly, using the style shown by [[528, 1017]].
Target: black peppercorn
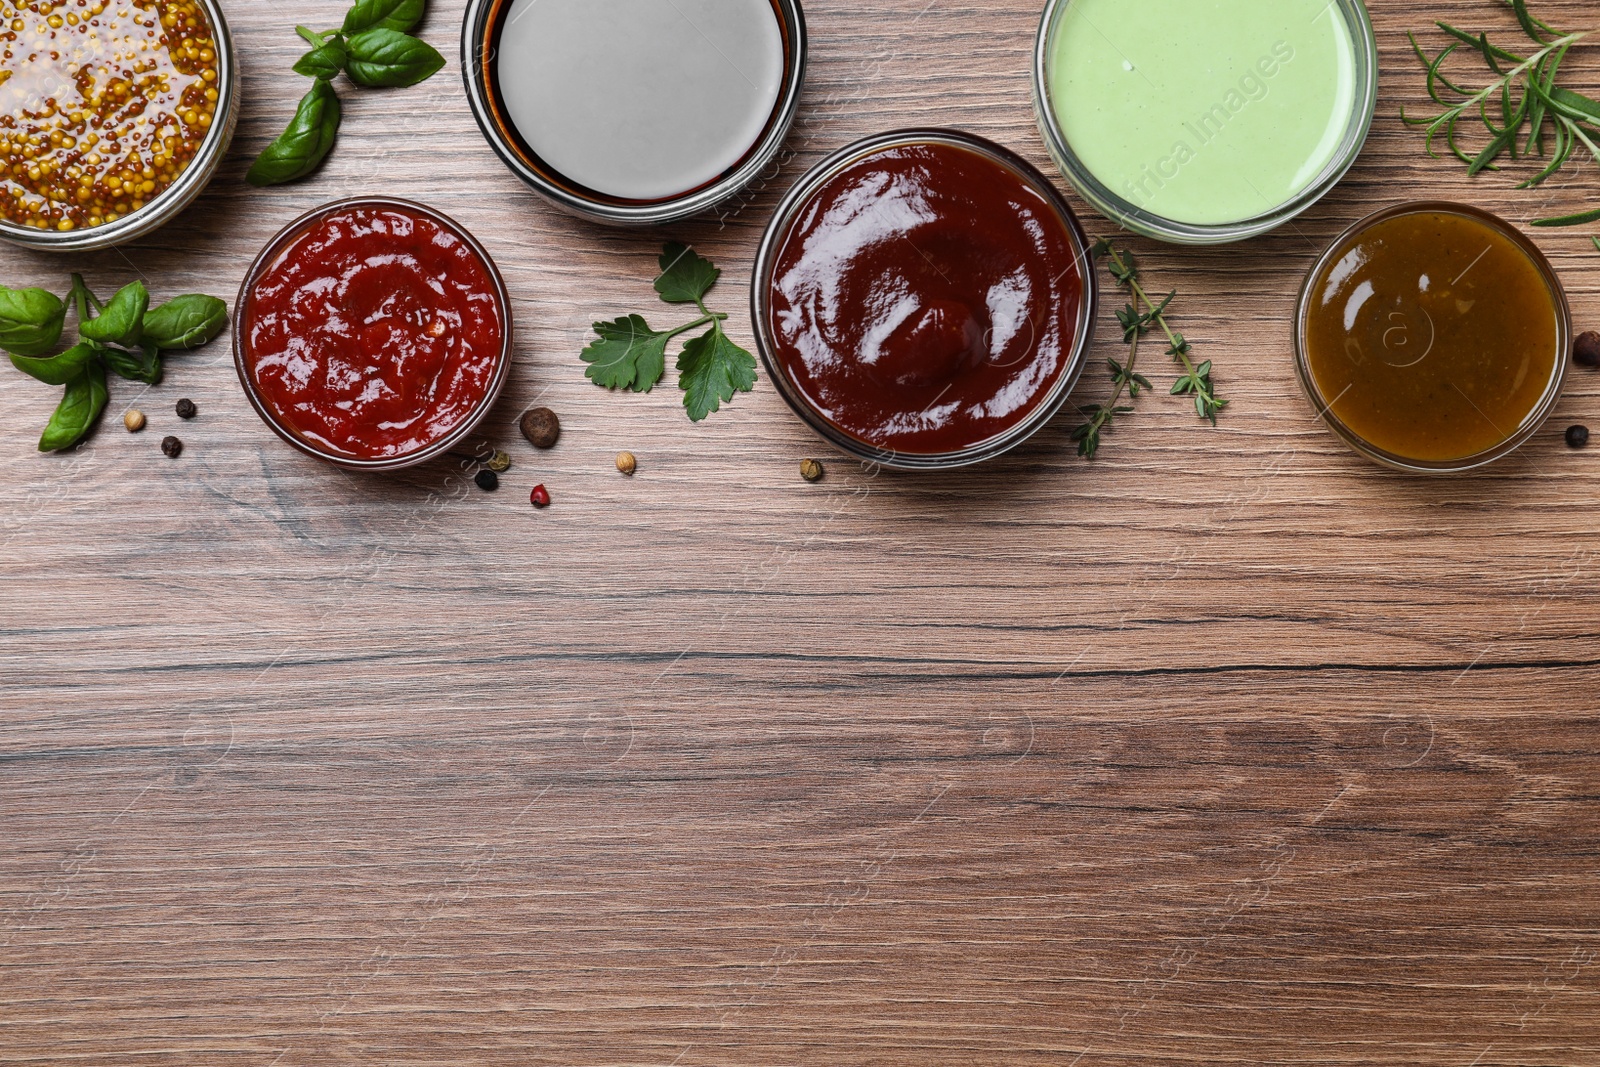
[[186, 409], [171, 447], [1586, 352], [488, 481], [1577, 436]]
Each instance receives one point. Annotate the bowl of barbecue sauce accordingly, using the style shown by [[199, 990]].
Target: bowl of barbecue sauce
[[1432, 338], [374, 334], [923, 300]]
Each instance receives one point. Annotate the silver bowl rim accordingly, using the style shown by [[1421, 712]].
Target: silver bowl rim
[[625, 213], [180, 194]]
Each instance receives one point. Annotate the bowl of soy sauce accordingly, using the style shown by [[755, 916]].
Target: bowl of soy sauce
[[635, 112]]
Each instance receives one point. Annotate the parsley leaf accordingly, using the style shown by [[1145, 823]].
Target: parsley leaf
[[710, 370], [686, 277], [628, 355]]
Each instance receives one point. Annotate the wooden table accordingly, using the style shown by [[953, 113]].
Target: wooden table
[[1228, 748]]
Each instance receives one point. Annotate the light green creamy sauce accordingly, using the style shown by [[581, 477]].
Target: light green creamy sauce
[[1203, 111]]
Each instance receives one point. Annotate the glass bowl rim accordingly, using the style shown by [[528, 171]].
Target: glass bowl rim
[[181, 193], [1535, 419], [1135, 219], [474, 29], [779, 228], [434, 450]]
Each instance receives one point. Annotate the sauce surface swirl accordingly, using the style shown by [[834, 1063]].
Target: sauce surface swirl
[[926, 299], [375, 333]]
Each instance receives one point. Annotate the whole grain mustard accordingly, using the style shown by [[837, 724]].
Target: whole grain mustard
[[103, 104]]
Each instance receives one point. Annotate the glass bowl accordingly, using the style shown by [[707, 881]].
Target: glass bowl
[[243, 363], [1132, 217], [778, 232], [1326, 407], [178, 196], [479, 51]]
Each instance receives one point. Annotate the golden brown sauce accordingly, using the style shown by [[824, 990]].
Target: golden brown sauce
[[1432, 336], [103, 103]]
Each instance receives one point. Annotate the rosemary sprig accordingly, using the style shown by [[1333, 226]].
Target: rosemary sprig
[[1529, 102], [1138, 319]]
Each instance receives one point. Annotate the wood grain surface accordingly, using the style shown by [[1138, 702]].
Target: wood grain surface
[[1227, 749]]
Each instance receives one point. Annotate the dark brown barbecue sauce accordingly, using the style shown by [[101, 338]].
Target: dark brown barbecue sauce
[[927, 298]]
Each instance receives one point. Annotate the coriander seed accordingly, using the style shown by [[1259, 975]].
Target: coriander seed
[[133, 420], [541, 427], [186, 409], [811, 470], [627, 463], [171, 447]]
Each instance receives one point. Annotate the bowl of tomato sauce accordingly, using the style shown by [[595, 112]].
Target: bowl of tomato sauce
[[373, 333], [924, 300]]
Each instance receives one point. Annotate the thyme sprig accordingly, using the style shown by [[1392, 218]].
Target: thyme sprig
[[1524, 92], [1138, 319]]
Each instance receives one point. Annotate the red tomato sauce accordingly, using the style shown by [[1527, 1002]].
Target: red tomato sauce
[[375, 333], [926, 299]]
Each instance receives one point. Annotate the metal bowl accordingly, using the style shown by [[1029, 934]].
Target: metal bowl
[[478, 55], [181, 193]]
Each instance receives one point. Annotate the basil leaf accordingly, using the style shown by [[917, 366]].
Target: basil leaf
[[142, 366], [324, 61], [122, 320], [79, 409], [58, 370], [185, 323], [385, 58], [30, 321], [401, 16], [302, 147]]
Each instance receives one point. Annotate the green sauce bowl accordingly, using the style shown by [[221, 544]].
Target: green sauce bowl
[[1205, 121]]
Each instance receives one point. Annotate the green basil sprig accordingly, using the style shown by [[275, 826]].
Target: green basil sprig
[[126, 337], [57, 370], [78, 411], [382, 58], [326, 58], [376, 50], [120, 322], [302, 147], [30, 321], [402, 16], [185, 323]]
